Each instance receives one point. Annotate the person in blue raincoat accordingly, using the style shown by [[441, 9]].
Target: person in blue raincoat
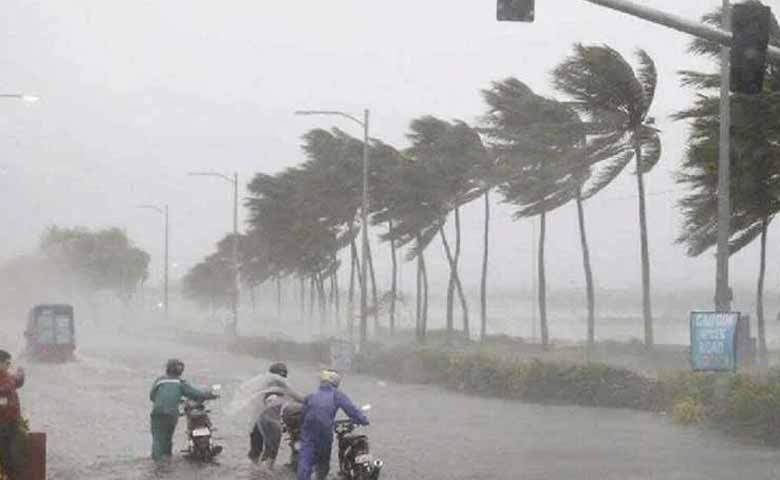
[[166, 393], [319, 413]]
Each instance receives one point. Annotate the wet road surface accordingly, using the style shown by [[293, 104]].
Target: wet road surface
[[95, 412]]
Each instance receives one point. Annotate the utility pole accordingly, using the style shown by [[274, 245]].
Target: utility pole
[[164, 212], [363, 215], [364, 231], [234, 297], [167, 263]]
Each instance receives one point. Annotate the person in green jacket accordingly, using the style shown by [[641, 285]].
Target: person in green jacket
[[166, 394]]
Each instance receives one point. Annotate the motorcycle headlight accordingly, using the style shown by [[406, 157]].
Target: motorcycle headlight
[[378, 464]]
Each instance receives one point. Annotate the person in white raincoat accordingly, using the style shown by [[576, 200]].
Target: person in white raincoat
[[262, 398]]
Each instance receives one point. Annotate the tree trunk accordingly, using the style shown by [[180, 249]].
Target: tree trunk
[[647, 313], [302, 298], [351, 298], [356, 261], [279, 296], [450, 288], [456, 277], [252, 297], [312, 297], [373, 288], [321, 300], [463, 304], [543, 284], [394, 281], [418, 298], [337, 298], [425, 296], [588, 272], [483, 283], [762, 350], [331, 294]]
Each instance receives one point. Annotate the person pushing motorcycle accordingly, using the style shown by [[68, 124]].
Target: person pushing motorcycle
[[319, 413], [270, 391], [166, 393]]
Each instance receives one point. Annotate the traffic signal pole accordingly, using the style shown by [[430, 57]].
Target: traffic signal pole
[[722, 37], [722, 290]]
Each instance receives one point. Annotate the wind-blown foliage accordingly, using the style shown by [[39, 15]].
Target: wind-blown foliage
[[615, 100], [98, 260], [540, 143], [754, 160]]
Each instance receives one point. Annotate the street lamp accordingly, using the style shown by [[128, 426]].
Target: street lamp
[[363, 213], [164, 212], [21, 96], [234, 182]]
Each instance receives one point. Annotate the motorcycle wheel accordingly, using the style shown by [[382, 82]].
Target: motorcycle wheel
[[201, 450]]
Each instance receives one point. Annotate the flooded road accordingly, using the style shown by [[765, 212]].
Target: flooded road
[[95, 412]]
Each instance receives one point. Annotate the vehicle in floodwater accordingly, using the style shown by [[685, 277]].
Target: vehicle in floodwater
[[355, 459], [50, 334], [200, 431], [292, 421]]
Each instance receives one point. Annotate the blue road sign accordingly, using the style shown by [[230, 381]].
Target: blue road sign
[[713, 341]]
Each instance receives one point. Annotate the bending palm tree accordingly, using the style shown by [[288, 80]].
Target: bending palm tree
[[616, 101], [536, 138]]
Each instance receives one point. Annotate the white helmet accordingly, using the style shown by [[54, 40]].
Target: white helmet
[[330, 376]]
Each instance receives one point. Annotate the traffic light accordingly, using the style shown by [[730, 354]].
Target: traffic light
[[515, 10], [750, 28]]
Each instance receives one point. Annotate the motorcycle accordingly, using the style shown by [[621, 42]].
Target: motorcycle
[[200, 430], [355, 459], [292, 420]]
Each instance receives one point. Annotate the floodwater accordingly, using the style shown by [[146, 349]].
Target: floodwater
[[95, 412]]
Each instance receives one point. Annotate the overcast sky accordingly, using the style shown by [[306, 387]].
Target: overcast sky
[[136, 93]]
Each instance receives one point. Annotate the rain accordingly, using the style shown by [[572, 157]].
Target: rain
[[496, 229]]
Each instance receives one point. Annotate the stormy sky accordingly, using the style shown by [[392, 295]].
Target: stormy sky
[[134, 94]]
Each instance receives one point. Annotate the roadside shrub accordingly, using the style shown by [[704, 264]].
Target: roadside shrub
[[743, 404], [754, 409], [689, 411], [314, 352]]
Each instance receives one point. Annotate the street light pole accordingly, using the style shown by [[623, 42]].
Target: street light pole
[[167, 264], [164, 212], [235, 293], [235, 298], [363, 213], [722, 296], [364, 222]]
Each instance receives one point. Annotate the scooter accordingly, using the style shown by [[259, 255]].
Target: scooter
[[355, 459], [200, 440]]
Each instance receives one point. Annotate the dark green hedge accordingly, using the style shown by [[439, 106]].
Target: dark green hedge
[[746, 405]]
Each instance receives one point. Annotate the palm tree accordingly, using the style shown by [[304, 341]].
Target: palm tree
[[616, 101], [755, 166], [536, 139], [387, 163], [411, 202], [452, 151]]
